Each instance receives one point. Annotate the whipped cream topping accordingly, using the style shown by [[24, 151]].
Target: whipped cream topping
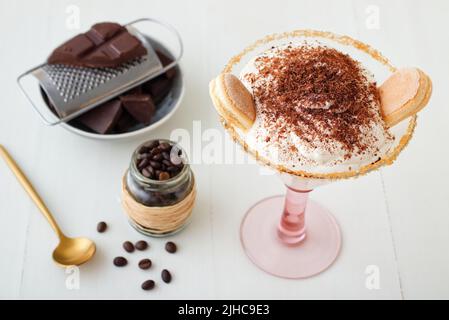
[[317, 110]]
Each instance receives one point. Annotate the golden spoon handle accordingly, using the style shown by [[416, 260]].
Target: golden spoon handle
[[26, 184]]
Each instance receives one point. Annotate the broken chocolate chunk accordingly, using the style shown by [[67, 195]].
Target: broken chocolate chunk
[[104, 45], [165, 60], [140, 106], [158, 88], [124, 123], [102, 118]]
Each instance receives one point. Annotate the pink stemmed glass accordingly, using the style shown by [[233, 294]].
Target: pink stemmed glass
[[291, 236]]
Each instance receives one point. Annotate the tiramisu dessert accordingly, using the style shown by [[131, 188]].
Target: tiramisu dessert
[[314, 114], [311, 108]]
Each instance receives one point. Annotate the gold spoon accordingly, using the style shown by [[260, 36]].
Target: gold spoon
[[70, 251]]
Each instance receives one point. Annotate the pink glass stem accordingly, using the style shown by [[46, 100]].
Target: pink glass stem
[[292, 227]]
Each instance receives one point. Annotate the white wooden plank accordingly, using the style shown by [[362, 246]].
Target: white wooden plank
[[80, 178]]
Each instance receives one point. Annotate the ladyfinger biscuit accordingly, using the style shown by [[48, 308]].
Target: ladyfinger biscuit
[[404, 94], [233, 101]]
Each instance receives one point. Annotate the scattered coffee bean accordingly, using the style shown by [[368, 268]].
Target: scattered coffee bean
[[145, 264], [164, 175], [120, 261], [102, 226], [141, 245], [166, 276], [170, 247], [148, 285], [128, 246]]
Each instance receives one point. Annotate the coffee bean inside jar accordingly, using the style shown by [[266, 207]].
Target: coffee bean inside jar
[[158, 177]]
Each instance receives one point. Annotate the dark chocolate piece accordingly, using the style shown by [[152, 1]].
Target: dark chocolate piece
[[158, 88], [140, 106], [104, 45], [165, 60], [125, 123], [102, 118]]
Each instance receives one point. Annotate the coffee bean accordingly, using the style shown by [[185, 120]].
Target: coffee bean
[[141, 245], [164, 175], [143, 163], [102, 226], [165, 146], [157, 157], [152, 144], [150, 170], [144, 150], [158, 161], [128, 246], [148, 285], [146, 173], [155, 151], [120, 261], [143, 156], [170, 247], [155, 164], [167, 163], [166, 276], [166, 155], [145, 264], [172, 169]]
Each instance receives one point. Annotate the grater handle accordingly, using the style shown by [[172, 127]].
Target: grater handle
[[20, 79], [170, 28]]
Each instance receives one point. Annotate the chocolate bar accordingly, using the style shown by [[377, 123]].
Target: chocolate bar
[[140, 106], [106, 44]]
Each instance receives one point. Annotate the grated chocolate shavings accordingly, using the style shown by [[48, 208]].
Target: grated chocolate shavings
[[317, 92]]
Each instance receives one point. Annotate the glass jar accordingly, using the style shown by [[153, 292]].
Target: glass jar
[[158, 194]]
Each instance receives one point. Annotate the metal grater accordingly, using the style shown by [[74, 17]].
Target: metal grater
[[75, 90]]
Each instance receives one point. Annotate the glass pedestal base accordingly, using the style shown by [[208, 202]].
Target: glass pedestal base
[[262, 244]]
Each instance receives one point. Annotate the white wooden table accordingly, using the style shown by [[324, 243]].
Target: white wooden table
[[396, 220]]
